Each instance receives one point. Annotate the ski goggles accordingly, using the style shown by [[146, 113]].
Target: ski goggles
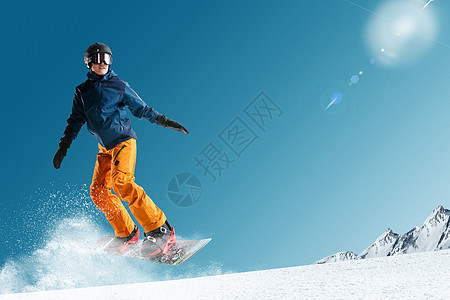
[[98, 58]]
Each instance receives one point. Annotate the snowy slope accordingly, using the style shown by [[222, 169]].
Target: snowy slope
[[419, 275], [433, 235]]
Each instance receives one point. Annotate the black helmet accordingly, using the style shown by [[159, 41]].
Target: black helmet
[[95, 48]]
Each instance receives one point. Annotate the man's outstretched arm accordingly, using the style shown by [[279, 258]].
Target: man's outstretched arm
[[75, 121], [140, 110]]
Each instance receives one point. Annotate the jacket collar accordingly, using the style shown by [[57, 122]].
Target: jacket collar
[[94, 77]]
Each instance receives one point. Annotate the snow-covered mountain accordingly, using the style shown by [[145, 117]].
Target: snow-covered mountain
[[433, 235], [340, 256], [412, 276]]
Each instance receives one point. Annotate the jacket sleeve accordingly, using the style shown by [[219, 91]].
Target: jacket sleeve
[[76, 119], [138, 107]]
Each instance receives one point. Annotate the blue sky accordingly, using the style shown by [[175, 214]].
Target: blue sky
[[314, 182]]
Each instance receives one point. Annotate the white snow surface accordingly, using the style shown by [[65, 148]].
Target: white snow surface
[[419, 276]]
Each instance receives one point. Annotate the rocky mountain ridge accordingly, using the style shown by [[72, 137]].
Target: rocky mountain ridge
[[433, 235]]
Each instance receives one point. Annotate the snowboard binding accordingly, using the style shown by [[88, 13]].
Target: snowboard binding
[[158, 242]]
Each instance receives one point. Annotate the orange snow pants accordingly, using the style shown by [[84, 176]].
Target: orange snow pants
[[114, 169]]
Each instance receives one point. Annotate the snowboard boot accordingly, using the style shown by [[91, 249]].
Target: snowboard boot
[[157, 242], [119, 245]]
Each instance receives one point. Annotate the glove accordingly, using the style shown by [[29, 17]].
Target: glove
[[64, 144], [165, 122]]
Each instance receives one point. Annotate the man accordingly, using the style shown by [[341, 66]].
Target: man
[[100, 102]]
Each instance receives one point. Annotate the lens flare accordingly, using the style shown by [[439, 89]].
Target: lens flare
[[428, 3], [335, 98], [403, 33], [354, 79]]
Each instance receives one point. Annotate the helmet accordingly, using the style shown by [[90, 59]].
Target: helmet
[[97, 48]]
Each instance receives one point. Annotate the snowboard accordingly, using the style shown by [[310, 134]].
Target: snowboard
[[180, 252]]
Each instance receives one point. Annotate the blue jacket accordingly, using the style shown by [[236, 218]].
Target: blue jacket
[[100, 102]]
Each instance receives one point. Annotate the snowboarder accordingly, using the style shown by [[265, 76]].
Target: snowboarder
[[100, 102]]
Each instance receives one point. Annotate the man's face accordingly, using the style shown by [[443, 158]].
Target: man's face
[[99, 69]]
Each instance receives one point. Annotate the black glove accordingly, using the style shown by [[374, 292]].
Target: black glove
[[165, 122], [64, 144]]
